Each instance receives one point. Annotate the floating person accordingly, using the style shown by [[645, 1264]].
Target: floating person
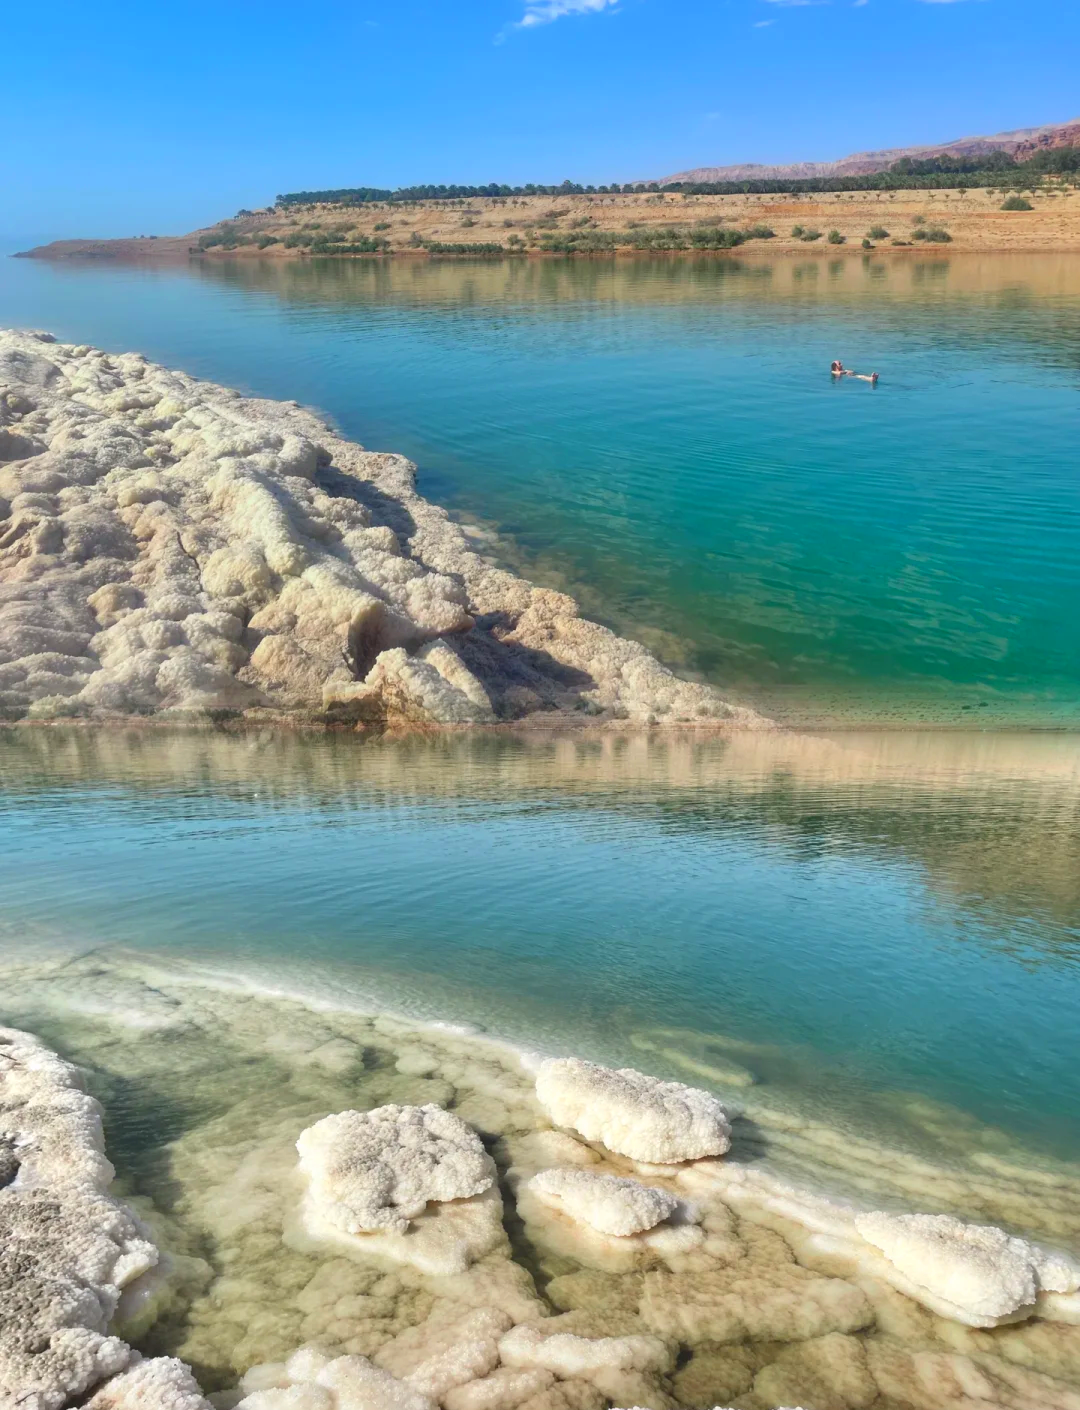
[[838, 369]]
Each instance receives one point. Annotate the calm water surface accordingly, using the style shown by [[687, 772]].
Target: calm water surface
[[663, 439], [855, 922]]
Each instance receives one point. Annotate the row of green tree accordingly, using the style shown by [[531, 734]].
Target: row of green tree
[[933, 173]]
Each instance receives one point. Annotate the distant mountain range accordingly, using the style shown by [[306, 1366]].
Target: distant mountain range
[[1020, 145]]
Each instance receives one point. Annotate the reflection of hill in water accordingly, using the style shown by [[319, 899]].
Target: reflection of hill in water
[[993, 821], [1041, 291]]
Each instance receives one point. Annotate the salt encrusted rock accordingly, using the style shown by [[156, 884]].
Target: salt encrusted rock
[[536, 1346], [447, 1350], [313, 1380], [504, 1389], [972, 1273], [432, 685], [379, 1170], [66, 1248], [167, 545], [161, 1384], [607, 1203], [660, 1123]]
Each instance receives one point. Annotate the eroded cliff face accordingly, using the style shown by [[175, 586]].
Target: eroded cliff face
[[167, 545]]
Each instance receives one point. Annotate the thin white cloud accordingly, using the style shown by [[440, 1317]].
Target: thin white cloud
[[538, 12], [763, 24]]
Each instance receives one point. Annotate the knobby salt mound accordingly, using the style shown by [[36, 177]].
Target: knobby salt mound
[[659, 1123], [66, 1248], [380, 1169], [973, 1273], [168, 545], [607, 1203]]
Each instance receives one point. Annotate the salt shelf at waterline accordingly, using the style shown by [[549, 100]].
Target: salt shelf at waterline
[[170, 547], [736, 1288]]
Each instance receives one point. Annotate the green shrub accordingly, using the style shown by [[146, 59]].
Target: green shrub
[[904, 243], [809, 236], [264, 240], [878, 232], [867, 244], [456, 247], [798, 231], [1017, 203], [382, 225], [835, 238], [934, 234], [760, 232]]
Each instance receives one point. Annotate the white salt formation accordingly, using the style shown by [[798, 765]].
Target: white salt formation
[[607, 1203], [167, 545], [161, 1384], [632, 1114], [970, 1272], [66, 1247], [753, 1293], [380, 1169], [372, 1176]]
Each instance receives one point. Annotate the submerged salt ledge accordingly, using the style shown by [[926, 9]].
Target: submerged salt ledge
[[749, 1293], [167, 545]]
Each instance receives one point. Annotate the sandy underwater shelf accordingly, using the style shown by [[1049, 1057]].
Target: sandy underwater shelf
[[553, 1236]]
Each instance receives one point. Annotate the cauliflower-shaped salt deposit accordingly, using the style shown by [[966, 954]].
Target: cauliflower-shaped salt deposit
[[374, 1170], [635, 1115], [973, 1273], [607, 1203]]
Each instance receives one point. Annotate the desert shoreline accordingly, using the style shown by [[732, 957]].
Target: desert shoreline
[[529, 227]]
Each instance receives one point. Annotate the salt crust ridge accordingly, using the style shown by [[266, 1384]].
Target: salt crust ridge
[[782, 1303], [167, 545], [67, 1249]]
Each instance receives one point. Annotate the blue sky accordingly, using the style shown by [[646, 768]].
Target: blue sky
[[124, 118]]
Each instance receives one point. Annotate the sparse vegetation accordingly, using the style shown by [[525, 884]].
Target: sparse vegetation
[[835, 238], [935, 234], [456, 247], [877, 232], [1017, 203]]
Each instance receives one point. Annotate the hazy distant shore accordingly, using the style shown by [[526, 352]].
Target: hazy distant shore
[[832, 223]]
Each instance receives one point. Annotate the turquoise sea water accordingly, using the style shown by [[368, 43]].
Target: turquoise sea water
[[663, 439], [884, 930]]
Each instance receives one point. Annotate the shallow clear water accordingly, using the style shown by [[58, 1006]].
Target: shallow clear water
[[883, 929], [663, 439]]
